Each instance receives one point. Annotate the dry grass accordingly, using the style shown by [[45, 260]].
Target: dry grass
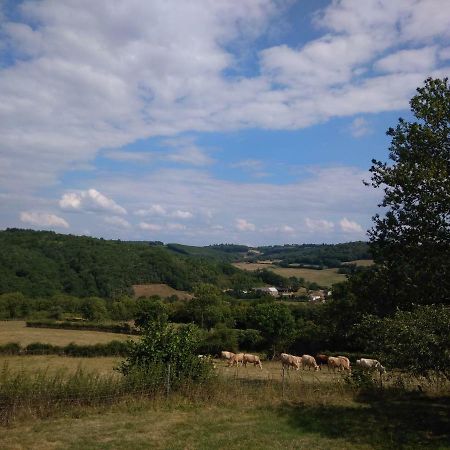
[[361, 262], [17, 331], [325, 277], [163, 290]]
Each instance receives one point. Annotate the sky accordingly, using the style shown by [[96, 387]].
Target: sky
[[207, 121]]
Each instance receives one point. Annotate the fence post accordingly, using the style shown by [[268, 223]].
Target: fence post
[[168, 380], [282, 383]]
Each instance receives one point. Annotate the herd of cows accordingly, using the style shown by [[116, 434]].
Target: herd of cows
[[341, 363]]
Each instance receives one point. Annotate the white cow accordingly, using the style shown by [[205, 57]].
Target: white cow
[[226, 355], [290, 361], [309, 361], [370, 364]]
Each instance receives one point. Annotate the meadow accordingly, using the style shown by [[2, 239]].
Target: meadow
[[17, 331], [240, 409], [325, 277]]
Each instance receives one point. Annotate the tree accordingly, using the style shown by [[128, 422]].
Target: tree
[[276, 323], [411, 241]]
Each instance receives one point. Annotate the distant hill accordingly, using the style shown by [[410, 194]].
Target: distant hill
[[41, 263], [319, 255]]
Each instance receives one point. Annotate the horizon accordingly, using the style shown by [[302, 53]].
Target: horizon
[[207, 122]]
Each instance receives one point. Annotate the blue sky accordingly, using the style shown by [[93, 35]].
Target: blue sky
[[206, 121]]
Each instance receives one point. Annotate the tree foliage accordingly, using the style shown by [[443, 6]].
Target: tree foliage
[[411, 241]]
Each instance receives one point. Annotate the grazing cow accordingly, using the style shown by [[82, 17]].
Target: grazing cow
[[226, 355], [236, 359], [288, 361], [252, 359], [347, 362], [338, 363], [321, 360], [370, 364], [309, 361]]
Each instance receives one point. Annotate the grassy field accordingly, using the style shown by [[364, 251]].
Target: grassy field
[[163, 290], [361, 262], [325, 277], [16, 331], [318, 411]]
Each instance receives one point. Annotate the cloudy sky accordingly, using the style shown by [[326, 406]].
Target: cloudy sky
[[206, 121]]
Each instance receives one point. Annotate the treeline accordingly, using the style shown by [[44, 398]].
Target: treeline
[[43, 263], [316, 255]]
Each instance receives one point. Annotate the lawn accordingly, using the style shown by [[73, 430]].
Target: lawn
[[325, 277], [17, 331]]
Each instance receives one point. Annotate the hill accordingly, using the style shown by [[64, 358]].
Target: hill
[[41, 263]]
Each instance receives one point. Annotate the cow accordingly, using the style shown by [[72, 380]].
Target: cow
[[288, 361], [252, 359], [335, 362], [370, 364], [347, 362], [309, 361], [226, 355], [236, 359], [321, 360]]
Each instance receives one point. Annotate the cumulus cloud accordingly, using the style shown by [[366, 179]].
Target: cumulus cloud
[[117, 221], [179, 214], [90, 200], [84, 77], [349, 226], [149, 226], [318, 225], [154, 210], [43, 219], [244, 225], [175, 226]]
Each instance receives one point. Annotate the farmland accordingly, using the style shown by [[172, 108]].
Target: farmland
[[325, 277], [17, 331], [163, 290]]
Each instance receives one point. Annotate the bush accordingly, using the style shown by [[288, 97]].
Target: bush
[[13, 348]]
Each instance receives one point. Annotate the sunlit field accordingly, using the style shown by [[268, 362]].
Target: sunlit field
[[325, 277], [17, 331]]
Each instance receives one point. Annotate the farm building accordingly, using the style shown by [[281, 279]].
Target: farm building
[[268, 290]]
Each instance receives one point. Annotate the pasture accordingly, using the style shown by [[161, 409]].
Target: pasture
[[163, 290], [240, 410], [17, 331], [325, 277]]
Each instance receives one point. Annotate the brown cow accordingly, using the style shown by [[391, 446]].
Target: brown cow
[[252, 359], [309, 361], [338, 363], [288, 361], [321, 360]]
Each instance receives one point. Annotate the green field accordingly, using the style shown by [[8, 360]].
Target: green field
[[325, 277], [17, 331]]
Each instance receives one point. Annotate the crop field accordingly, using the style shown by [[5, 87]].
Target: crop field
[[361, 262], [17, 331], [325, 277]]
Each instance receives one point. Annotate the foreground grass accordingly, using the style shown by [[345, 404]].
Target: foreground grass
[[17, 331], [178, 424]]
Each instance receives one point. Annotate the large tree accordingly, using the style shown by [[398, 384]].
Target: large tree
[[411, 237]]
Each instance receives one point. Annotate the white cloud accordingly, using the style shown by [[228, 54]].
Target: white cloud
[[90, 200], [117, 221], [150, 226], [287, 229], [43, 219], [244, 225], [349, 226], [179, 214], [360, 127], [87, 77], [175, 226], [318, 225], [154, 210], [417, 60]]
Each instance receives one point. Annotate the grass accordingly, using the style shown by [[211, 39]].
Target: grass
[[16, 331], [163, 290], [325, 277], [245, 413]]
